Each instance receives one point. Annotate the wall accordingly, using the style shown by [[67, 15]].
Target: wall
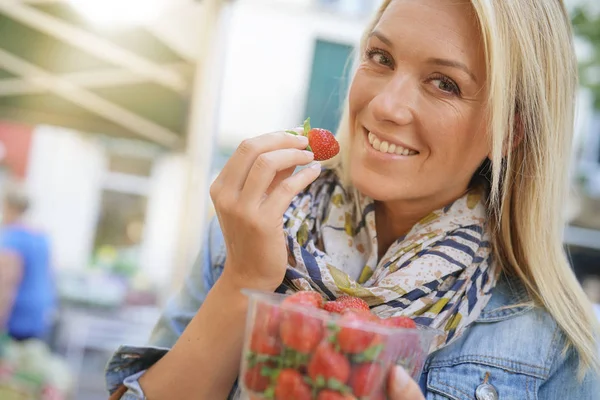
[[268, 63], [162, 228], [64, 180], [67, 174]]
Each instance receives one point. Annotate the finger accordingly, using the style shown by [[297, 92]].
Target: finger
[[266, 166], [403, 387], [280, 177], [236, 171], [281, 196], [298, 130]]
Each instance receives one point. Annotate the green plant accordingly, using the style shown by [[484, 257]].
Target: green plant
[[586, 25]]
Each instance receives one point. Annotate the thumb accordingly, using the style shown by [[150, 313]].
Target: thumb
[[403, 387]]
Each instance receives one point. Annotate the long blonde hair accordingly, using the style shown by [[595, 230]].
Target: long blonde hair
[[532, 83]]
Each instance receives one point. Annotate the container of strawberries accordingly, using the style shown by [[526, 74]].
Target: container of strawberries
[[301, 347]]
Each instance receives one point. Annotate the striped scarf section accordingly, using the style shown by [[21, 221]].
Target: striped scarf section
[[440, 273]]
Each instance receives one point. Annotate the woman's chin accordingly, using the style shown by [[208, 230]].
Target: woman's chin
[[375, 186]]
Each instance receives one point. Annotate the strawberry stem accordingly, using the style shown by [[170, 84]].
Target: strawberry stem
[[306, 126], [305, 133]]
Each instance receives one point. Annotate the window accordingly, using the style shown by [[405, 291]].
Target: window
[[328, 83]]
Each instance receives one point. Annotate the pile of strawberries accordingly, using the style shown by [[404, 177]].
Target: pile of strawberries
[[300, 350]]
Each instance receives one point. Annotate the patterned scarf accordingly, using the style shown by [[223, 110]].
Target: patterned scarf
[[440, 273]]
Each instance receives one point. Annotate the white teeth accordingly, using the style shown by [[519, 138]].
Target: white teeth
[[376, 144], [386, 147]]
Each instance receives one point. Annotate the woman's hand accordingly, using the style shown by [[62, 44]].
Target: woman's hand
[[402, 387], [250, 196]]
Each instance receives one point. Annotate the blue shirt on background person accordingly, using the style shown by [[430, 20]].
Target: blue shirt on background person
[[34, 301], [27, 297]]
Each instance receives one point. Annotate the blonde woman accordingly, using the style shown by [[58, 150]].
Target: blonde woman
[[445, 205]]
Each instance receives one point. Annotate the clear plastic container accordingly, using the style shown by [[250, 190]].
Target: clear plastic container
[[295, 352]]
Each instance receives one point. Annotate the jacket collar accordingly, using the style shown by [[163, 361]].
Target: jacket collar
[[509, 298]]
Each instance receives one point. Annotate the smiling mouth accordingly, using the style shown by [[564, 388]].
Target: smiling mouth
[[383, 146]]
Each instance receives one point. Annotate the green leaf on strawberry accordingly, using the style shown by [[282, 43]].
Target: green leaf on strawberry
[[320, 382], [369, 355], [333, 327], [334, 343], [269, 372], [269, 393], [308, 381], [338, 386], [306, 126], [296, 134], [294, 359], [253, 359]]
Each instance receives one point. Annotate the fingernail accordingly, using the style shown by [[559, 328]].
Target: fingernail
[[401, 377], [303, 139], [315, 165]]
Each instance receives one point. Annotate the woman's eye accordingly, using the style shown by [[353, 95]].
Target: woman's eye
[[446, 85], [380, 57]]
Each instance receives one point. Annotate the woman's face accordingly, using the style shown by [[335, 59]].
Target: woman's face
[[418, 104]]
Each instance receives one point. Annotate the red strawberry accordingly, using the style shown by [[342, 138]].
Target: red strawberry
[[267, 319], [307, 298], [333, 395], [262, 343], [335, 307], [291, 386], [344, 303], [320, 141], [265, 332], [366, 379], [323, 144], [254, 380], [399, 322], [301, 332], [328, 363], [407, 344], [357, 301], [353, 338]]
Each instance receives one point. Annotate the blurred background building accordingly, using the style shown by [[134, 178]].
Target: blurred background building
[[117, 115]]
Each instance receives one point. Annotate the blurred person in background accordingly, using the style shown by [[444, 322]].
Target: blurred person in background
[[446, 206], [27, 297]]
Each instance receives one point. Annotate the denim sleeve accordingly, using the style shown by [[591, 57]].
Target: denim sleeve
[[564, 383], [129, 363]]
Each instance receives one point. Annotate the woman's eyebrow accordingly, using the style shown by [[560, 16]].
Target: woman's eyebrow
[[436, 61], [453, 64], [382, 37]]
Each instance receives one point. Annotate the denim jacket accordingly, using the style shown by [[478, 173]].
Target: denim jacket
[[513, 351]]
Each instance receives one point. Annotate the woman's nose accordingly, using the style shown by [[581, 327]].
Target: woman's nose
[[395, 101]]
